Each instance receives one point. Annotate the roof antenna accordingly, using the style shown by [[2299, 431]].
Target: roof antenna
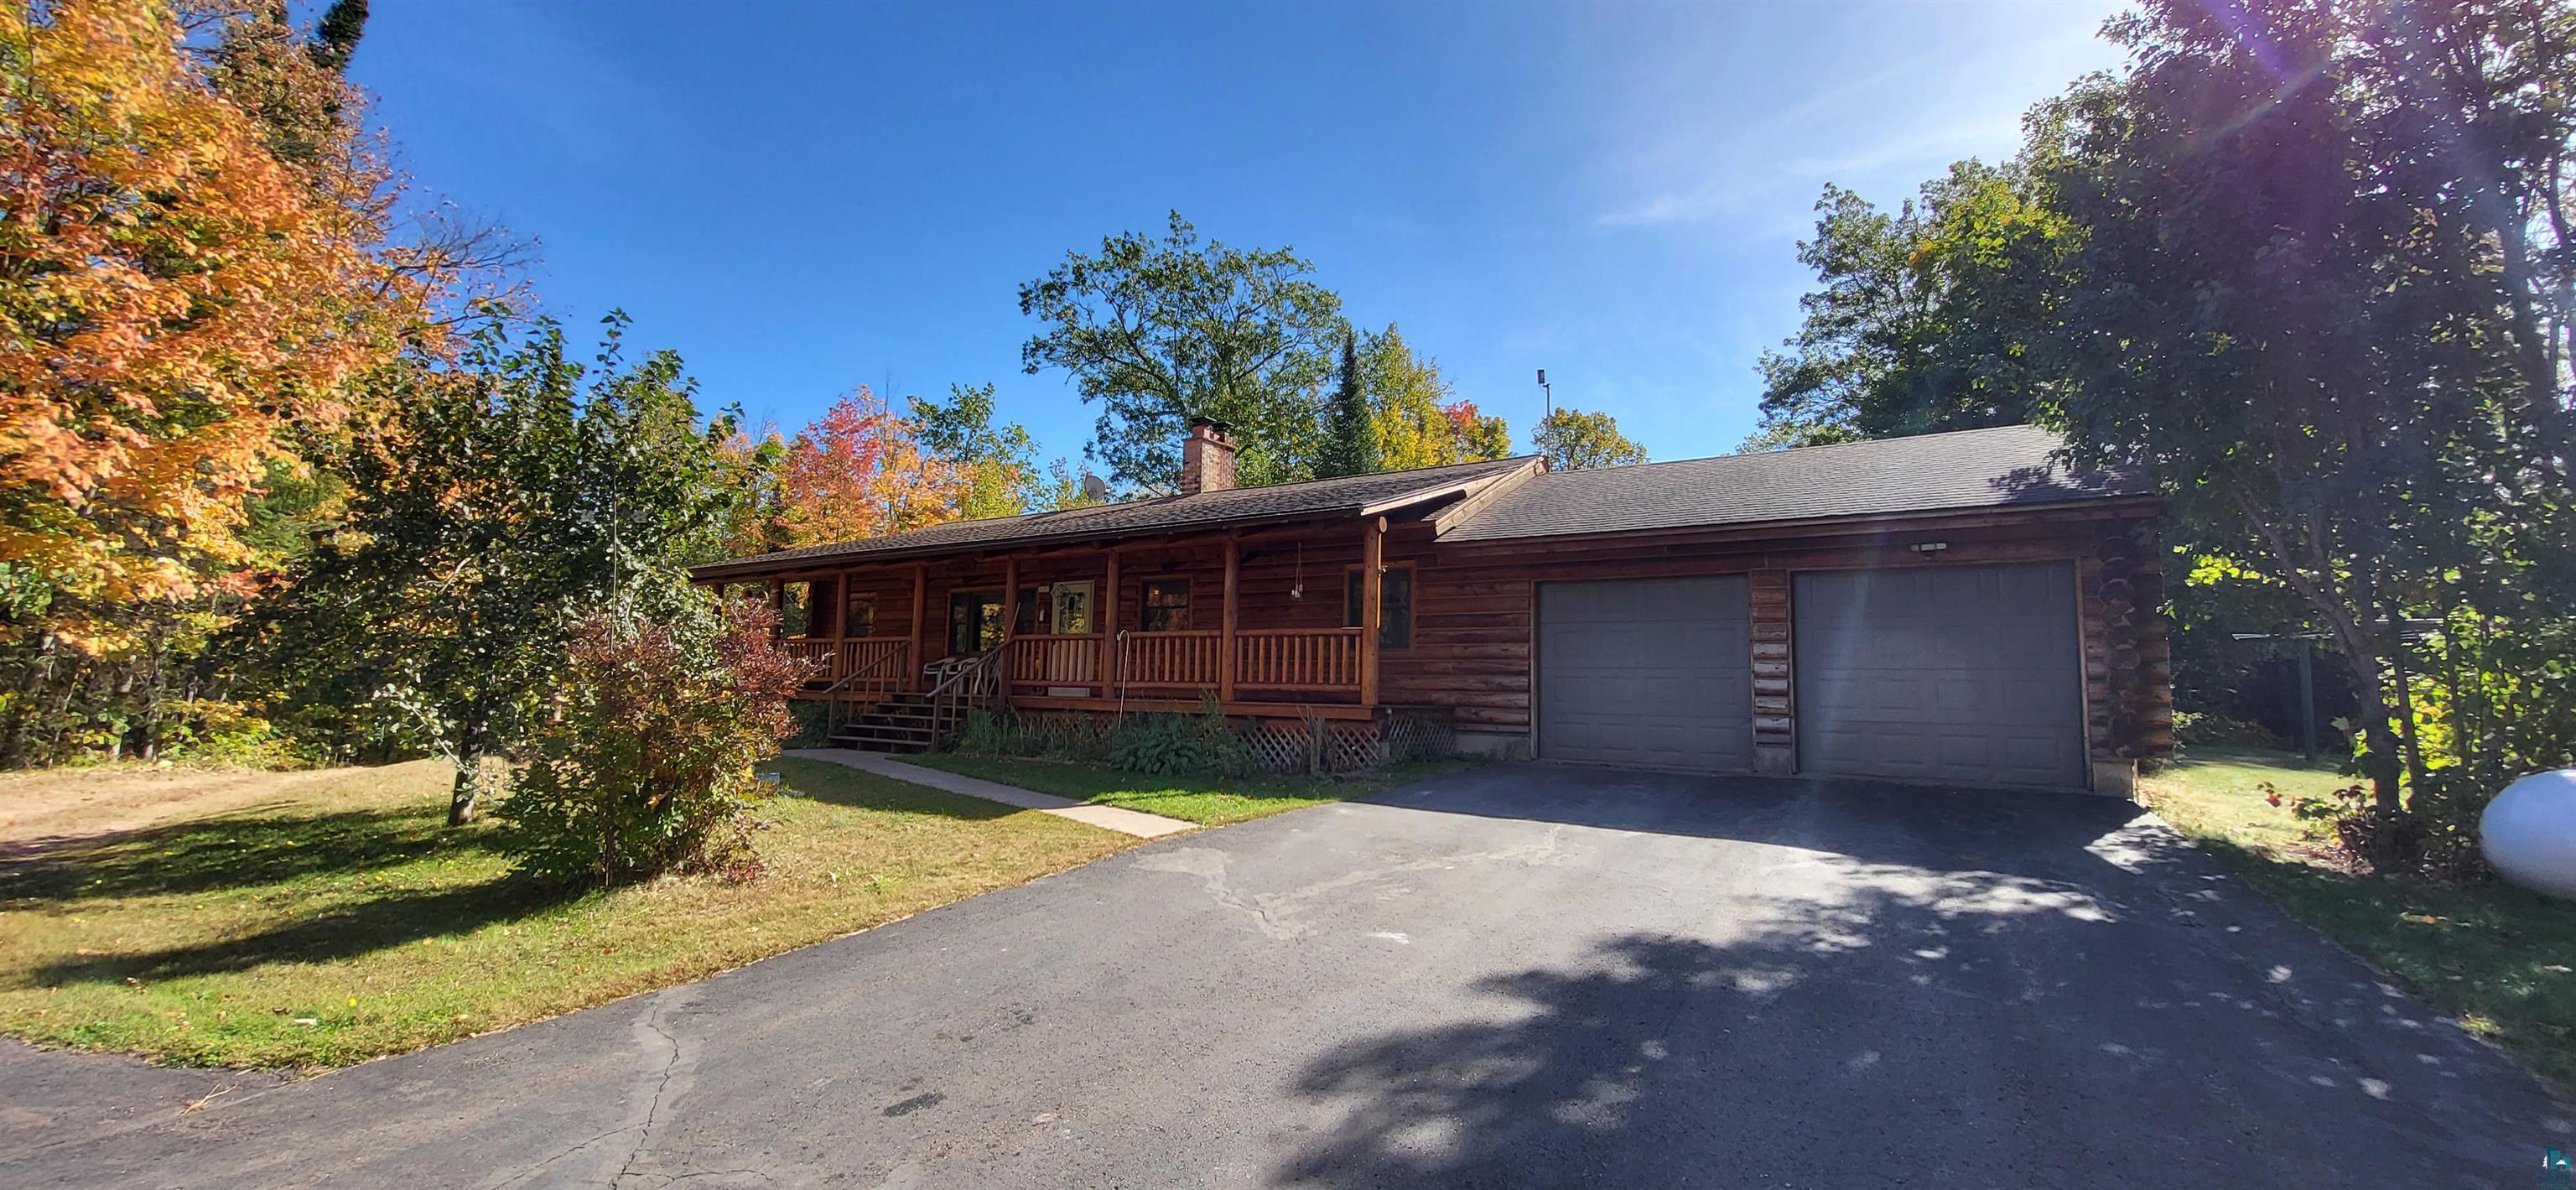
[[1550, 393]]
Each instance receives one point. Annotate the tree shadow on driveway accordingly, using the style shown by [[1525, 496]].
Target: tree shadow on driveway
[[1930, 993]]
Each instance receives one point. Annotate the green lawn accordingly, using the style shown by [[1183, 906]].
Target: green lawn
[[313, 920], [1210, 801], [2502, 960]]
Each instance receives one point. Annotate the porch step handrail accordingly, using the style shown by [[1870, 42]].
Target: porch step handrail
[[833, 695], [962, 684]]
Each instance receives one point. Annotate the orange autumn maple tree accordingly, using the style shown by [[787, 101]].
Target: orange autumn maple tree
[[858, 471], [174, 301]]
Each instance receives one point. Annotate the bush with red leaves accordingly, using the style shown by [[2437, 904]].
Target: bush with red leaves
[[646, 766]]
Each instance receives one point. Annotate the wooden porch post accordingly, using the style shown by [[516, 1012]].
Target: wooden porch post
[[1010, 597], [920, 607], [1109, 629], [1225, 634], [1372, 566]]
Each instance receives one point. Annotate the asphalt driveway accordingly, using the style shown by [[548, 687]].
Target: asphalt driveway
[[1520, 976]]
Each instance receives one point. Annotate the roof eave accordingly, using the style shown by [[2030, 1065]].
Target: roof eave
[[2112, 503]]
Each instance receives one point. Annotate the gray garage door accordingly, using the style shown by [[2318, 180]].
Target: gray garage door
[[1656, 672], [1959, 674]]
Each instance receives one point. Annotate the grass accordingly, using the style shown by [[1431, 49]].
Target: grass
[[318, 919], [2500, 959], [1209, 801]]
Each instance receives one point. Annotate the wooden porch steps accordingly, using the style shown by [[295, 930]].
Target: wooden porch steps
[[900, 723]]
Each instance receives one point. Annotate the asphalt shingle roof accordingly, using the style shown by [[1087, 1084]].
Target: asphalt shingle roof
[[1315, 497], [1966, 469]]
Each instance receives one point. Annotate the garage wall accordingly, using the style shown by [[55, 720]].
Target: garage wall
[[1475, 609]]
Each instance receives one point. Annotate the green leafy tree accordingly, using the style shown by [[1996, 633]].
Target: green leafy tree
[[1574, 440], [2320, 291], [1480, 435], [1067, 488], [997, 462], [1418, 421], [1921, 320], [1160, 331], [502, 496], [1350, 437]]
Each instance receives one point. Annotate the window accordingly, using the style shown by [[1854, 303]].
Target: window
[[1167, 605], [859, 614], [805, 608], [1394, 601]]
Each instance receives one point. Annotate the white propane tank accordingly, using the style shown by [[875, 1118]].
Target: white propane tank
[[2529, 833]]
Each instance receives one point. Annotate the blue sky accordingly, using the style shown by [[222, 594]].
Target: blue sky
[[806, 198]]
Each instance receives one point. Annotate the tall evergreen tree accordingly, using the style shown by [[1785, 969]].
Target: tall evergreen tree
[[1350, 438], [335, 36]]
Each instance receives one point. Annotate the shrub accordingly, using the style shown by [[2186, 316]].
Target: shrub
[[987, 734], [2210, 729], [1201, 745], [812, 723], [643, 764], [2434, 838]]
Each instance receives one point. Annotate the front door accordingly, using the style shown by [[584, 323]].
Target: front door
[[974, 622], [1070, 608]]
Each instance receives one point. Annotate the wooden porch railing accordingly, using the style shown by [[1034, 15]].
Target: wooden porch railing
[[1297, 659], [865, 658], [820, 652], [874, 665], [1168, 659], [1055, 659]]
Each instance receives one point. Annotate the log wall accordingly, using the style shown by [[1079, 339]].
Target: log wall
[[1473, 637], [1474, 633]]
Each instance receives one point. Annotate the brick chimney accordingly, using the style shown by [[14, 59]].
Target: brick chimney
[[1207, 458]]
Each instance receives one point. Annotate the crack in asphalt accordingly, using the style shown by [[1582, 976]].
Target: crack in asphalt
[[1276, 915], [661, 1088], [671, 1066]]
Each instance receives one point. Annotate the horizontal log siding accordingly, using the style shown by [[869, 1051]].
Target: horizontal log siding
[[1473, 625], [1473, 629], [1471, 637]]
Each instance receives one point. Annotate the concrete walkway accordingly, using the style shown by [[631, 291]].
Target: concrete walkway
[[1125, 822]]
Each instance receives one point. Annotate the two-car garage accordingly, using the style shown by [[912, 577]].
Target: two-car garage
[[1967, 675]]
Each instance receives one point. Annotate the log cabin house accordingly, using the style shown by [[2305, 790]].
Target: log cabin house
[[1959, 608]]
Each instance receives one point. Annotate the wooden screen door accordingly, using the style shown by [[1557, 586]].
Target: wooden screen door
[[1070, 608]]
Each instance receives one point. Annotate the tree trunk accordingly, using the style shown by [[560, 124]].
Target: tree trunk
[[2406, 733], [469, 779], [2310, 571], [2369, 685]]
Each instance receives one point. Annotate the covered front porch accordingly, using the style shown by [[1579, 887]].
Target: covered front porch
[[1285, 620]]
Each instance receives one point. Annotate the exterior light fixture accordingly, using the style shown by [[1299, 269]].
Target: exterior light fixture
[[1929, 547]]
